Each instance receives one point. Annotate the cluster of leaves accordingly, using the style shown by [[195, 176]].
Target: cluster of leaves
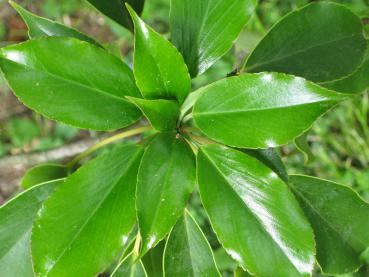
[[221, 137]]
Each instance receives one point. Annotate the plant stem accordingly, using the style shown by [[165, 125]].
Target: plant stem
[[201, 140], [136, 247], [125, 134]]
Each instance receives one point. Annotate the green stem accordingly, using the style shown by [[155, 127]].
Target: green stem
[[125, 134], [136, 247], [201, 140]]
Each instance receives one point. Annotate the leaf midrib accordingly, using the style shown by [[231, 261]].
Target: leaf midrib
[[262, 109], [260, 64], [67, 80], [162, 190]]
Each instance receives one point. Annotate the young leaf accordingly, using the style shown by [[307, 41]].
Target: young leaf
[[261, 110], [90, 215], [205, 30], [16, 219], [271, 159], [162, 114], [320, 42], [153, 260], [43, 173], [130, 267], [165, 181], [253, 213], [357, 82], [42, 27], [159, 68], [116, 10], [71, 81], [340, 221], [187, 252]]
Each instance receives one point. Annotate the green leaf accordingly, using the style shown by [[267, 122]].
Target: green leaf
[[43, 27], [90, 215], [303, 146], [162, 114], [205, 30], [261, 110], [187, 252], [153, 261], [43, 173], [357, 82], [16, 219], [340, 221], [321, 42], [159, 68], [239, 272], [130, 267], [116, 10], [271, 159], [165, 180], [254, 215], [72, 81]]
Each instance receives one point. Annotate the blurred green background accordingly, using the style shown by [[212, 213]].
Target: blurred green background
[[339, 142]]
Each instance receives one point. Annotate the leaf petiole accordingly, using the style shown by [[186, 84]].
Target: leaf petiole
[[112, 139]]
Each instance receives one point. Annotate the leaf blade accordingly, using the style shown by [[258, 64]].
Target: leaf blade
[[40, 27], [39, 73], [43, 173], [256, 104], [163, 187], [16, 219], [250, 208], [116, 10], [187, 252], [65, 230], [162, 114], [158, 75], [316, 35], [357, 82], [339, 219], [204, 31]]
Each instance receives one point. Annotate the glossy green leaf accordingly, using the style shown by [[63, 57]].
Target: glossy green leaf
[[357, 82], [42, 27], [159, 68], [187, 252], [254, 214], [205, 30], [16, 219], [72, 81], [320, 42], [43, 173], [130, 267], [162, 114], [340, 221], [90, 215], [116, 10], [271, 159], [165, 180], [153, 260], [261, 110]]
